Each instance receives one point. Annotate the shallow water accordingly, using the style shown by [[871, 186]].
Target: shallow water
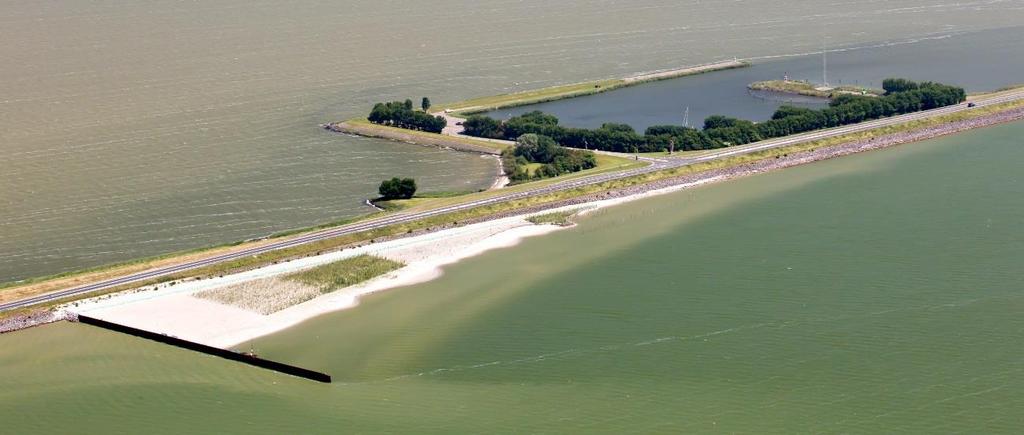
[[981, 61], [873, 293], [133, 128]]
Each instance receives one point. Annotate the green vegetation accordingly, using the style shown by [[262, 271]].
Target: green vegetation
[[425, 104], [605, 164], [270, 295], [535, 157], [344, 273], [560, 218], [396, 188], [902, 96], [401, 114], [799, 87]]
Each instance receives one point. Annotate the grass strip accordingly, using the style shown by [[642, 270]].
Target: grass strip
[[344, 273], [273, 294], [560, 218]]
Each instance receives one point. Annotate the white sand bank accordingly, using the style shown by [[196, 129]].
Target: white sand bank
[[173, 310]]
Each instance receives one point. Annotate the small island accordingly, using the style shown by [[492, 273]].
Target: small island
[[805, 88]]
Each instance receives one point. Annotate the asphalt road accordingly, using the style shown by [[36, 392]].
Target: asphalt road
[[403, 217]]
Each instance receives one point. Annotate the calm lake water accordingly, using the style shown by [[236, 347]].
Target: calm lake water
[[982, 61], [133, 128], [873, 293]]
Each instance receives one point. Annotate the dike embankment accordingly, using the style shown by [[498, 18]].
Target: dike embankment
[[25, 321], [768, 163], [779, 159], [573, 90], [796, 158], [412, 137]]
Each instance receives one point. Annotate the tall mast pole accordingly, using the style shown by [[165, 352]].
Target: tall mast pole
[[824, 61]]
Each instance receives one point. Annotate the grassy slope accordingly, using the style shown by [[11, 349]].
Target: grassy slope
[[605, 163]]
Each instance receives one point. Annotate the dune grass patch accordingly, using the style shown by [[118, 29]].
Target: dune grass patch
[[560, 218], [270, 295], [344, 273]]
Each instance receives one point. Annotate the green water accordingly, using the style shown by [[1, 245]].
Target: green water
[[873, 293]]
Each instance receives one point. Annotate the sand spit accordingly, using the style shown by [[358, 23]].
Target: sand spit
[[175, 309], [172, 309]]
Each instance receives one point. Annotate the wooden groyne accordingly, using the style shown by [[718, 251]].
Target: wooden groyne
[[209, 350]]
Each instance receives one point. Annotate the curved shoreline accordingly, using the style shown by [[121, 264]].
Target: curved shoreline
[[429, 256], [450, 139]]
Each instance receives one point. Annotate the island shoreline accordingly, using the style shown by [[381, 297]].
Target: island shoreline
[[425, 271]]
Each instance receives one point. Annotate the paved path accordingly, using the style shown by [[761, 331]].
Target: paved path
[[402, 217], [454, 128]]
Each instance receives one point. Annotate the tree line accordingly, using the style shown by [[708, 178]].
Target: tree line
[[555, 160], [902, 96], [401, 114]]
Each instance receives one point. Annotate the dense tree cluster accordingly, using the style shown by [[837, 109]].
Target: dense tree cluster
[[893, 86], [397, 188], [401, 114], [556, 160], [902, 96]]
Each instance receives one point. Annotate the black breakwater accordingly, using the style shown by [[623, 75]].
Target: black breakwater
[[209, 350]]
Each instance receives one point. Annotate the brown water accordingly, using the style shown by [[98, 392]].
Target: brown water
[[136, 128]]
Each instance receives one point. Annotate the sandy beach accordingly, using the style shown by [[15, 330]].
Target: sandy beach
[[175, 310], [172, 308]]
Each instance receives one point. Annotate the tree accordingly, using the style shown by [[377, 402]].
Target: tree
[[537, 149], [719, 121], [787, 111], [425, 104], [483, 126], [397, 188], [400, 114], [893, 86]]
